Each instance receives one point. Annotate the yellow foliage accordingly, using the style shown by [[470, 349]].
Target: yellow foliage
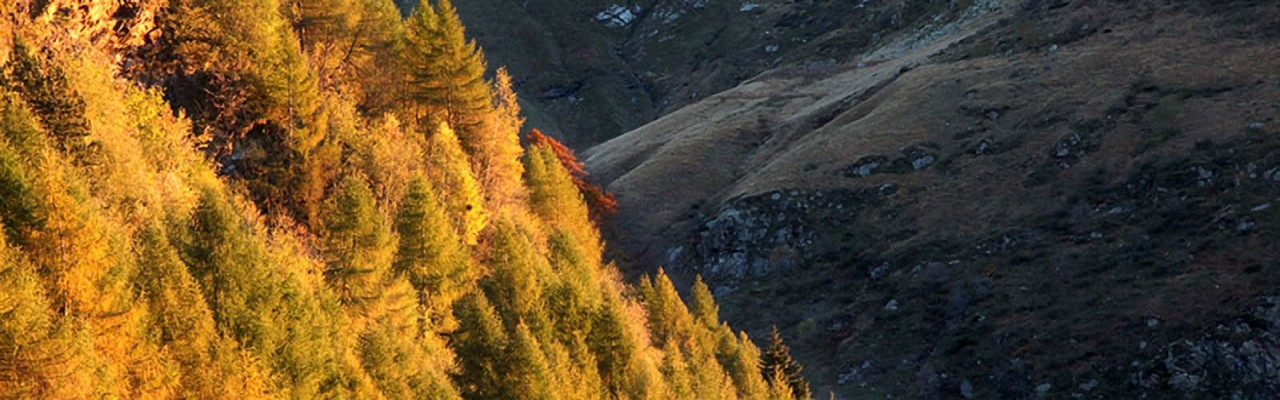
[[449, 170], [146, 274], [389, 157], [497, 159], [555, 199], [44, 355]]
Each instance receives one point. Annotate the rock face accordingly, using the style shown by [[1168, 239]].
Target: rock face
[[1045, 199], [1236, 359], [751, 238]]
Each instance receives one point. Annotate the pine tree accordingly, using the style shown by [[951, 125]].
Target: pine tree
[[20, 204], [260, 295], [481, 345], [519, 277], [573, 298], [45, 355], [403, 358], [741, 360], [675, 329], [777, 365], [703, 305], [357, 241], [371, 59], [780, 387], [207, 361], [446, 72], [575, 374], [431, 254], [669, 319], [182, 317], [450, 172], [44, 85], [530, 376], [614, 349], [600, 202], [676, 371], [555, 200], [497, 152]]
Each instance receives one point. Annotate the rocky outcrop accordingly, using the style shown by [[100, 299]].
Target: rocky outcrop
[[1238, 359], [756, 236]]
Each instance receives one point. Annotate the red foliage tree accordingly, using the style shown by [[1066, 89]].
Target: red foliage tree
[[601, 202]]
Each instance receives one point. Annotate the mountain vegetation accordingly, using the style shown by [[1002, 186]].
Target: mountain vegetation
[[314, 199]]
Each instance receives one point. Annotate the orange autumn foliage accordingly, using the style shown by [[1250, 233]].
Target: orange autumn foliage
[[601, 202]]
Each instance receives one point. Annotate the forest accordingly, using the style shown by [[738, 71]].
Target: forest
[[317, 199]]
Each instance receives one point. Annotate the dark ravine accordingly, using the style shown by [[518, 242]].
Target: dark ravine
[[1040, 198]]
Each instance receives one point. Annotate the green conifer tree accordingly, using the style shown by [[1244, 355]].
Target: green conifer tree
[[260, 295], [576, 293], [446, 72], [496, 156], [673, 327], [741, 360], [46, 355], [181, 316], [675, 370], [777, 365], [20, 205], [370, 66], [450, 172], [669, 319], [519, 278], [555, 199], [357, 241], [404, 359], [481, 345], [44, 85], [431, 254], [530, 376], [704, 306], [574, 371], [614, 349]]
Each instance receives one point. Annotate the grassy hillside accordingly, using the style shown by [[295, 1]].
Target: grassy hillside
[[1057, 198], [589, 70]]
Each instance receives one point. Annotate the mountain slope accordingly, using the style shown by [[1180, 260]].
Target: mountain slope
[[591, 70], [1058, 197]]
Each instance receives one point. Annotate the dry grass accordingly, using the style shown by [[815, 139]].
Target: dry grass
[[1145, 88]]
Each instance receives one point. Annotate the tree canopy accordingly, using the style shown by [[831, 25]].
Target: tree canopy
[[316, 199]]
